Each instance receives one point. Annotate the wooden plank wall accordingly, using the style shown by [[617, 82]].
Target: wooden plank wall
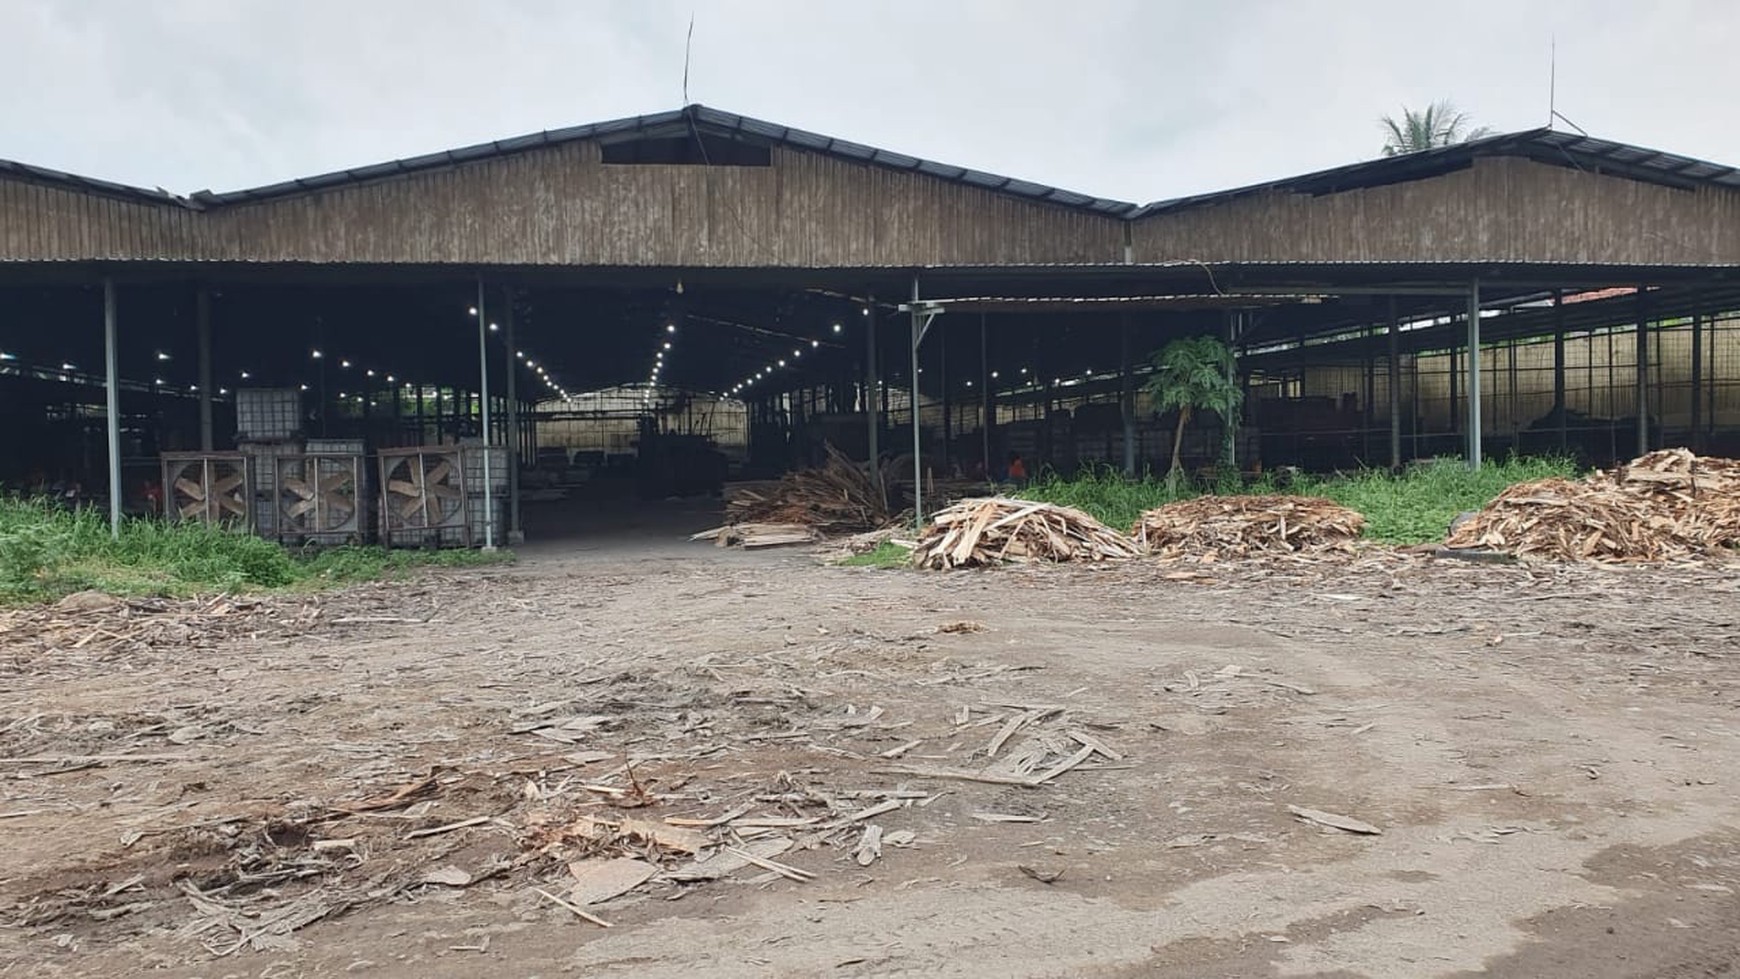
[[562, 206], [41, 223], [1501, 209]]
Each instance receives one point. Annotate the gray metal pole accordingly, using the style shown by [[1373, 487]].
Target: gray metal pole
[[202, 318], [112, 385], [1126, 395], [515, 534], [1560, 407], [1474, 374], [1642, 373], [1696, 439], [1394, 369], [1229, 426], [988, 405], [483, 409], [917, 449], [872, 406]]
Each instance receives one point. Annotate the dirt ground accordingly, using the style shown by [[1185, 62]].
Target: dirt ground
[[1549, 753]]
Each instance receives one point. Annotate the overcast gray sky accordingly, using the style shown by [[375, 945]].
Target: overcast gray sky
[[1121, 98]]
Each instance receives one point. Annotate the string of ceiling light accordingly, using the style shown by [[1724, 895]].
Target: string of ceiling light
[[666, 343], [780, 363]]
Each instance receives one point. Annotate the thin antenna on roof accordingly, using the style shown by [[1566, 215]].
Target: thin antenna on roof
[[688, 45], [1553, 81], [1553, 113]]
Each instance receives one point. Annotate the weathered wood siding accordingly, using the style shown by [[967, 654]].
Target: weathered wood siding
[[1502, 209], [41, 223], [562, 206]]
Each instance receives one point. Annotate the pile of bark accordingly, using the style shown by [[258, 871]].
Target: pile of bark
[[834, 498], [1665, 506], [992, 530], [1238, 526]]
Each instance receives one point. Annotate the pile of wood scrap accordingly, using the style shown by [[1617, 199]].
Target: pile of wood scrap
[[1237, 526], [1665, 506], [835, 498], [996, 529], [753, 535]]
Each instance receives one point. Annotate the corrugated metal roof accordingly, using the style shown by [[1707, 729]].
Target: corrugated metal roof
[[678, 122], [1541, 145], [89, 185]]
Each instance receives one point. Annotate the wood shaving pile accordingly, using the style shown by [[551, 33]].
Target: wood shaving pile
[[995, 529], [1236, 526], [1665, 506]]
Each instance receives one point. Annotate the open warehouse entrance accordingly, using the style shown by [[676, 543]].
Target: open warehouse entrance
[[651, 307]]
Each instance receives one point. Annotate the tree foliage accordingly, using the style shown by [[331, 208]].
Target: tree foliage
[[1194, 374], [1438, 124]]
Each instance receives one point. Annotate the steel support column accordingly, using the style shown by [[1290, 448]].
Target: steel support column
[[515, 534], [918, 327], [1642, 371], [872, 401], [1560, 408], [987, 401], [1229, 439], [483, 410], [1126, 395], [1697, 438], [1474, 374], [202, 320], [1393, 368], [112, 389]]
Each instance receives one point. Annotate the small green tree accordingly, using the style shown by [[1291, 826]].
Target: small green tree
[[1438, 124], [1193, 374]]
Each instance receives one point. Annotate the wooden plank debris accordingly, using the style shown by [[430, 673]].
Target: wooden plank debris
[[837, 497], [1346, 824], [1669, 505], [575, 909], [596, 881], [991, 530]]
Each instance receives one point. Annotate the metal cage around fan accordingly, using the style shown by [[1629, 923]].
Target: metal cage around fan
[[318, 498], [210, 488], [423, 498]]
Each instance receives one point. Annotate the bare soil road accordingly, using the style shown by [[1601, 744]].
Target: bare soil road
[[358, 784]]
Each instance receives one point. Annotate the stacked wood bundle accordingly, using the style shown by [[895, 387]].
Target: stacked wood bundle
[[835, 498], [1665, 506], [1238, 526], [995, 529]]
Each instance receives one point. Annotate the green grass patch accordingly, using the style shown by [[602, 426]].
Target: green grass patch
[[1418, 505], [47, 552], [1413, 507], [886, 555], [1104, 494]]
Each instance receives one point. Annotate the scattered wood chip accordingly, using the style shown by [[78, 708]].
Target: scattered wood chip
[[601, 880], [448, 876], [1042, 876], [1346, 824], [448, 828], [576, 910], [1005, 817], [869, 846]]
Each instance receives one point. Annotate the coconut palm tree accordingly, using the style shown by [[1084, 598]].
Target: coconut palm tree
[[1193, 374], [1439, 124]]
